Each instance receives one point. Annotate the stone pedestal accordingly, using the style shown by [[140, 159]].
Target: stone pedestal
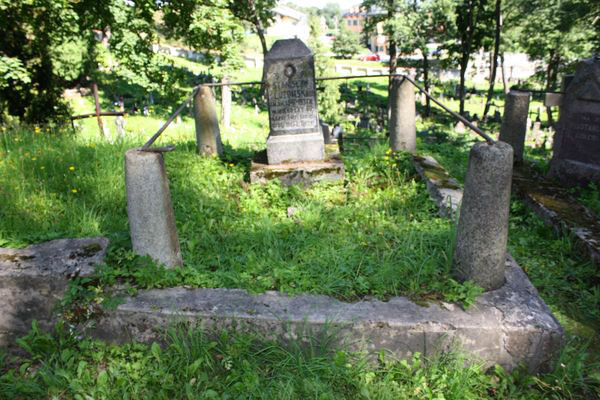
[[149, 208], [295, 148]]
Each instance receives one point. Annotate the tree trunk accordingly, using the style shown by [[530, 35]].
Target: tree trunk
[[261, 36], [426, 81], [393, 56], [490, 94], [504, 83], [464, 62], [551, 77]]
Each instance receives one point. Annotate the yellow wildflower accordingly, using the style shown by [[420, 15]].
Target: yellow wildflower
[[33, 158], [42, 167], [71, 168], [74, 190], [231, 165], [37, 129]]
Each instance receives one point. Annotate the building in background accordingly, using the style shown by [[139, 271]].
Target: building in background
[[355, 19], [289, 23]]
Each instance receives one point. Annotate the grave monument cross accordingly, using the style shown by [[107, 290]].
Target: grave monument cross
[[577, 144], [295, 134]]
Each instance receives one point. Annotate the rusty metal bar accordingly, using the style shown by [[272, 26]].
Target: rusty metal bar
[[231, 83], [536, 91], [103, 114], [462, 119], [171, 119]]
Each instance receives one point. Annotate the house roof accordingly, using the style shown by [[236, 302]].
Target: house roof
[[289, 12]]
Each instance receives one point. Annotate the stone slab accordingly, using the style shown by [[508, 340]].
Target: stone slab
[[305, 173], [506, 326], [558, 208], [295, 148], [33, 281], [443, 189], [291, 91]]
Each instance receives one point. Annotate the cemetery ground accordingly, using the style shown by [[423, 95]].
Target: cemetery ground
[[377, 234]]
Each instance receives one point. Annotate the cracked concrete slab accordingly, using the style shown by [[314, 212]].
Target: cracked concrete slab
[[506, 326], [33, 281]]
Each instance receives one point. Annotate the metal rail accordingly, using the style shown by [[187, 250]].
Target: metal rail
[[457, 116]]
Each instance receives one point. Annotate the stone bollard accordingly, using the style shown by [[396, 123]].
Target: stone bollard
[[208, 135], [403, 131], [514, 122], [225, 104], [149, 208], [482, 232]]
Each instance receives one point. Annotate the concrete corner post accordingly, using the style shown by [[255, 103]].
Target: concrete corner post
[[514, 122], [482, 232], [149, 208], [402, 119], [208, 135]]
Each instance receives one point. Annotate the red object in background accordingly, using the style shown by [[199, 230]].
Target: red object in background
[[370, 57]]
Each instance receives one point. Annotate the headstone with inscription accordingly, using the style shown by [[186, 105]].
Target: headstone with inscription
[[577, 142], [295, 135]]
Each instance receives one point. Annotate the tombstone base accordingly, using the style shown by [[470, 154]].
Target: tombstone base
[[305, 173], [572, 173], [295, 148]]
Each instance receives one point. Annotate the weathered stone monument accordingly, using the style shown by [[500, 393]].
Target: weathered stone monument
[[295, 146], [577, 141], [295, 134]]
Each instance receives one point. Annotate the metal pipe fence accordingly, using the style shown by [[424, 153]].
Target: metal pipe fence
[[455, 115]]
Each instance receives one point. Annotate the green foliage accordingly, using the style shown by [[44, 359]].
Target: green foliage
[[329, 105], [193, 365], [347, 43], [211, 28], [53, 41]]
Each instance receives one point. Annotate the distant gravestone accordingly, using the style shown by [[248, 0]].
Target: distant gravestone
[[577, 142], [295, 133]]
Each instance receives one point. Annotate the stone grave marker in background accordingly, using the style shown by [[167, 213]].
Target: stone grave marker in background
[[295, 133], [577, 144]]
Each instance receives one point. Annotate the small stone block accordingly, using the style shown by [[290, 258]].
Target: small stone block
[[552, 99], [305, 173], [295, 148]]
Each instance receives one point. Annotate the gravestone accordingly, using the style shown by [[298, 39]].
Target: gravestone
[[295, 135], [577, 142], [296, 145]]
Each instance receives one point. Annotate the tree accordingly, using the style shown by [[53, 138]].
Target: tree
[[473, 22], [346, 43], [420, 24], [330, 109], [559, 42], [494, 63], [52, 44]]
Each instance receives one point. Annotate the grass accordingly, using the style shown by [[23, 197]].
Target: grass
[[377, 233], [192, 365]]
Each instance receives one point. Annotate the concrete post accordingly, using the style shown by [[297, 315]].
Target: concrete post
[[225, 105], [403, 129], [482, 233], [208, 135], [149, 208], [514, 122]]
